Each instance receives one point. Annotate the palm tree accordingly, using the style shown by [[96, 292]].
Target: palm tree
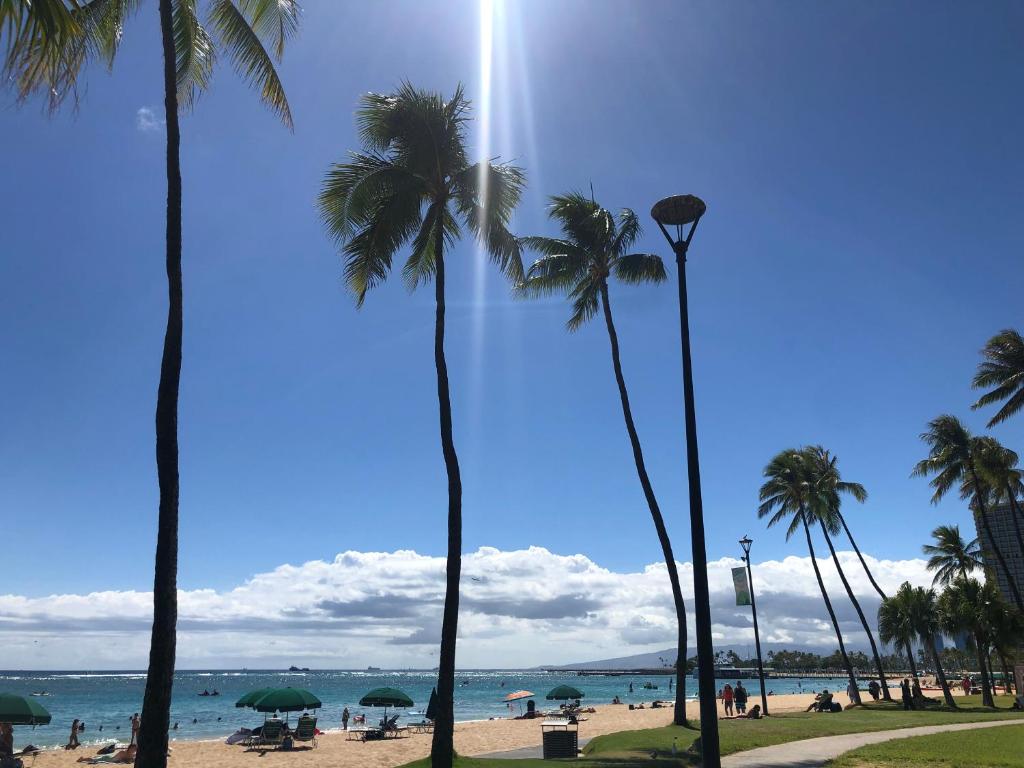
[[953, 458], [1002, 369], [997, 466], [849, 535], [413, 184], [595, 246], [950, 556], [895, 622], [925, 617], [827, 487], [49, 42], [786, 494], [962, 609]]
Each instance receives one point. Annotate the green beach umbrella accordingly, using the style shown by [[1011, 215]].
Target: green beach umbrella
[[563, 693], [250, 699], [385, 697], [18, 710], [431, 712], [286, 700]]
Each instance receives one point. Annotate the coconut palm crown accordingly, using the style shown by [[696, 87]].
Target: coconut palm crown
[[414, 184], [951, 557], [1003, 371], [594, 246], [49, 42]]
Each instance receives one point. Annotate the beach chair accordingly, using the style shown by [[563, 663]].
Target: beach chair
[[305, 730], [272, 734]]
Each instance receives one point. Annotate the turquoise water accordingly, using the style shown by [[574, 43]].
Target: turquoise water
[[106, 700]]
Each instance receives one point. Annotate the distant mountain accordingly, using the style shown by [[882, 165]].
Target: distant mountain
[[658, 659], [637, 661]]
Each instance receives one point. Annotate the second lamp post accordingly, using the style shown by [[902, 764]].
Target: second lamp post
[[745, 542]]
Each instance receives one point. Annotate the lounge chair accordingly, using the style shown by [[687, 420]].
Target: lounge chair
[[305, 730], [272, 734]]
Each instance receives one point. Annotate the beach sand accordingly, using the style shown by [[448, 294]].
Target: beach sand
[[473, 738]]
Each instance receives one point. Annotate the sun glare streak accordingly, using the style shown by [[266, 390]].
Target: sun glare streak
[[484, 143]]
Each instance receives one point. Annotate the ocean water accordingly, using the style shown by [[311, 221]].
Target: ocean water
[[105, 701]]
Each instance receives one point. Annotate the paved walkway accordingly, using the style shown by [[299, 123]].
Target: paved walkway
[[814, 753]]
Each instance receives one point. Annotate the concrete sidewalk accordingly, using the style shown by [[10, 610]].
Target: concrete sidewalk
[[814, 753]]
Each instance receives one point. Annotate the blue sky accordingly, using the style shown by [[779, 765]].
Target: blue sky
[[862, 168]]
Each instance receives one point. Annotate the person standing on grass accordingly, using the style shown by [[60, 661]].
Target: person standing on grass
[[740, 695], [905, 694]]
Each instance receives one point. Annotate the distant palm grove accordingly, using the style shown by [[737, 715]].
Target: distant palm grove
[[410, 191]]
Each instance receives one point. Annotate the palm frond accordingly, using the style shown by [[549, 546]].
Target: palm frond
[[584, 304], [49, 42], [275, 21], [351, 192], [250, 58], [194, 53], [629, 230], [560, 271], [368, 253], [422, 264], [486, 195], [637, 268]]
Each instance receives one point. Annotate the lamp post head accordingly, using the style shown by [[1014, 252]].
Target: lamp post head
[[745, 542], [678, 211]]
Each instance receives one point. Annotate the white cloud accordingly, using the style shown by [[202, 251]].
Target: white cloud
[[147, 121], [518, 608]]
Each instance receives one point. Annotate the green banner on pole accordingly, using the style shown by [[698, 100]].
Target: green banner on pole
[[739, 581]]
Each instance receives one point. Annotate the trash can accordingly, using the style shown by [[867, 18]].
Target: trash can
[[560, 738]]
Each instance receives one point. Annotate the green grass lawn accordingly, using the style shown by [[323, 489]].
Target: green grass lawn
[[741, 735], [987, 748], [634, 748]]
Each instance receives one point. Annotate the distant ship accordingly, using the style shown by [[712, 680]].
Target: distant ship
[[373, 669]]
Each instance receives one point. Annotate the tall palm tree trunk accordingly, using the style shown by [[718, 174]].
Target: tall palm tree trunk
[[652, 503], [442, 750], [156, 702], [860, 613], [910, 651], [986, 682], [831, 613], [940, 673], [983, 511], [1006, 670]]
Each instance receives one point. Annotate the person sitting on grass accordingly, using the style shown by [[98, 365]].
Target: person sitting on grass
[[822, 702]]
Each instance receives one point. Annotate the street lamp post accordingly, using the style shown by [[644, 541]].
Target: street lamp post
[[745, 542], [681, 211]]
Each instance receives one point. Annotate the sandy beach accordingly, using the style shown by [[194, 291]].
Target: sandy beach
[[472, 738]]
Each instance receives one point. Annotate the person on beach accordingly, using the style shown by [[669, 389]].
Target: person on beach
[[73, 738], [135, 729], [344, 719], [874, 689], [740, 695], [727, 700], [966, 685]]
